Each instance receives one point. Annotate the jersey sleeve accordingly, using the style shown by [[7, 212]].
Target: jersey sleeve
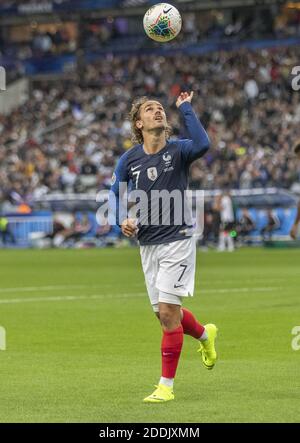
[[199, 142], [120, 178]]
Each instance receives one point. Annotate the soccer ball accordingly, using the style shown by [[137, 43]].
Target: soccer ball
[[162, 22]]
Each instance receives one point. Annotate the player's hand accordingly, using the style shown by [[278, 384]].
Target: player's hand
[[184, 97], [293, 232], [129, 227]]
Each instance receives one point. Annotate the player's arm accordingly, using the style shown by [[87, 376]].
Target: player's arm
[[199, 143], [118, 207], [293, 232]]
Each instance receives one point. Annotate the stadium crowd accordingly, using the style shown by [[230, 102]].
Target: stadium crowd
[[69, 134], [58, 37]]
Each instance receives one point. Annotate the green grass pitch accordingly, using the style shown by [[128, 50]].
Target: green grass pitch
[[84, 346]]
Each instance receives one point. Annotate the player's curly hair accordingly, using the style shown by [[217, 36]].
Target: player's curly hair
[[134, 115]]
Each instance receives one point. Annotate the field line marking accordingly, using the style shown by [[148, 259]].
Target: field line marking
[[59, 287], [63, 287], [70, 298], [231, 290], [50, 288], [126, 295]]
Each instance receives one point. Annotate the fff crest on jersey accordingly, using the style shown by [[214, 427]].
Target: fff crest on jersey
[[152, 173], [167, 157]]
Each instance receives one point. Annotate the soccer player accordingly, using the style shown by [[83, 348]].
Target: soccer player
[[294, 230], [245, 225], [168, 251], [273, 223], [227, 222]]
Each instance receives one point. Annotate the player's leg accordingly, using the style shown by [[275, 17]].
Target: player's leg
[[206, 335], [230, 240], [171, 345], [150, 267], [222, 240], [190, 324], [177, 277], [172, 336]]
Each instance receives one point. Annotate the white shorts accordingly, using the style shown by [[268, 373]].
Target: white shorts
[[169, 271]]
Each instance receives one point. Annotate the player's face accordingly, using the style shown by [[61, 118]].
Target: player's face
[[152, 116]]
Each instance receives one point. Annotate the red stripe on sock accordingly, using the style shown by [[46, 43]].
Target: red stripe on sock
[[190, 325], [171, 346]]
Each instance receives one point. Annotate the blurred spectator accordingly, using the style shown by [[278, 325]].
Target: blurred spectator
[[41, 43], [58, 228], [245, 225], [5, 233], [227, 223], [108, 235], [80, 227], [216, 218], [273, 223], [68, 136], [207, 229]]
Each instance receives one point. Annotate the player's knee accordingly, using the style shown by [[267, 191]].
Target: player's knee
[[166, 320], [169, 316]]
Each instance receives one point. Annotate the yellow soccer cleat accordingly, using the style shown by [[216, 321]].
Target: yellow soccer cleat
[[207, 347], [161, 394]]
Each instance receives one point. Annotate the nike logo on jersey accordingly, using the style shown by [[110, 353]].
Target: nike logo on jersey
[[166, 10], [135, 167], [178, 286]]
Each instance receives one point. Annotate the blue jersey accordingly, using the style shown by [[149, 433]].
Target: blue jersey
[[165, 170]]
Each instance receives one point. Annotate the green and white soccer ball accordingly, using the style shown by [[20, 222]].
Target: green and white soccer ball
[[162, 22]]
